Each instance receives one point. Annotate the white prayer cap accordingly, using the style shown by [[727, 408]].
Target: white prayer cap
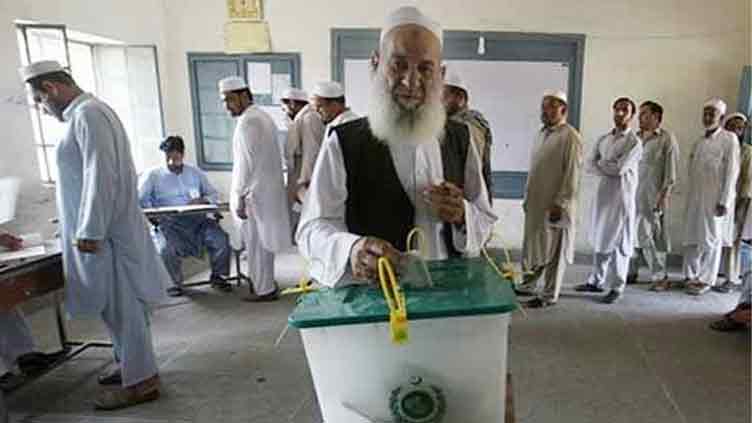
[[735, 116], [328, 89], [717, 104], [409, 15], [453, 80], [39, 68], [557, 94], [294, 94], [232, 83]]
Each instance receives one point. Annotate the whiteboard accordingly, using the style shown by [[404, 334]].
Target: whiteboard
[[357, 84], [508, 94]]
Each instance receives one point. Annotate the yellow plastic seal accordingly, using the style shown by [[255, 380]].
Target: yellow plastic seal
[[395, 300]]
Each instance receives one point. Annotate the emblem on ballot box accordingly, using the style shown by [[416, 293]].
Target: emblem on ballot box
[[417, 402]]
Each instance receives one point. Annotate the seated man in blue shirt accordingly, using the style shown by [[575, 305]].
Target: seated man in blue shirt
[[179, 184]]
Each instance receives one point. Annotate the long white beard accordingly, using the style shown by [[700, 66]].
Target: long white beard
[[394, 125]]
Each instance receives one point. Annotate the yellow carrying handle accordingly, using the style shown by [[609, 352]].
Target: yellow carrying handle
[[395, 300]]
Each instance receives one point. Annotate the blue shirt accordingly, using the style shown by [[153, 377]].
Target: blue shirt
[[161, 188]]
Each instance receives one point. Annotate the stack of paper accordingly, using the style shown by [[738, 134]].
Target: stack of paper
[[33, 246]]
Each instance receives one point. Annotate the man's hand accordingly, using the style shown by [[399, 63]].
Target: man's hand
[[720, 210], [365, 255], [241, 210], [11, 241], [88, 246], [661, 203], [555, 213], [447, 201], [300, 195]]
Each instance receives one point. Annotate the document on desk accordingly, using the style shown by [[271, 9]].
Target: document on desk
[[191, 208], [33, 246], [8, 197]]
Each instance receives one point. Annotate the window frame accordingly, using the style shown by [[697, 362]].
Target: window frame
[[40, 141], [241, 61]]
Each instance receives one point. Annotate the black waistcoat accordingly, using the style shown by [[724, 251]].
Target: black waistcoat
[[377, 204]]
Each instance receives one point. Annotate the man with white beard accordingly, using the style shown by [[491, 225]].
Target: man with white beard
[[615, 159], [713, 170], [736, 123], [380, 176]]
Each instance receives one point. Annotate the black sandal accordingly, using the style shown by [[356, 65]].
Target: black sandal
[[175, 291]]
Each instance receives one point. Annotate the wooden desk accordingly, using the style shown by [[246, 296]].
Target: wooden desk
[[24, 280]]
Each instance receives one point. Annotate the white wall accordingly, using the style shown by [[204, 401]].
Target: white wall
[[134, 21], [678, 52]]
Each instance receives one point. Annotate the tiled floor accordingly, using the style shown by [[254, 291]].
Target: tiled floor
[[650, 358]]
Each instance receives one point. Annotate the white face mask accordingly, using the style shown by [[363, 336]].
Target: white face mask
[[393, 124]]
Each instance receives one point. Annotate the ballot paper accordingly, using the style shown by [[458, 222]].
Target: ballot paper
[[33, 246], [8, 197]]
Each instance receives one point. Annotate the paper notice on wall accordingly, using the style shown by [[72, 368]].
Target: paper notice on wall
[[260, 78], [280, 82], [247, 37], [8, 197]]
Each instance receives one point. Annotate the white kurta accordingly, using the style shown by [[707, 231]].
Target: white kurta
[[713, 170], [257, 178], [615, 159], [97, 199], [323, 237]]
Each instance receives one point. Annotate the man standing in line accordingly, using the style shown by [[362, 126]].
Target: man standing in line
[[456, 98], [713, 171], [329, 101], [551, 202], [615, 159], [257, 193], [657, 177], [737, 124], [304, 137]]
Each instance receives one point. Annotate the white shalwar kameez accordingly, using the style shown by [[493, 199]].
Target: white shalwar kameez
[[257, 182], [658, 174], [323, 237], [713, 170], [97, 199], [615, 159]]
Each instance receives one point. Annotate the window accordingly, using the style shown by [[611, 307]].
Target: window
[[124, 76], [267, 74]]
